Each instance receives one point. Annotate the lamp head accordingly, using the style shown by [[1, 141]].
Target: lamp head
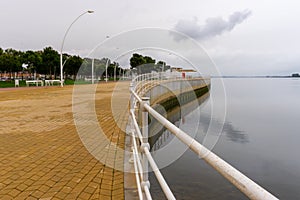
[[90, 11]]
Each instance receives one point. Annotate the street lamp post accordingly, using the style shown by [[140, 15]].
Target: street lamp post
[[115, 73], [62, 45], [93, 70], [106, 70]]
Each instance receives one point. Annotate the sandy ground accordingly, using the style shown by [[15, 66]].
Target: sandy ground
[[42, 155], [35, 110]]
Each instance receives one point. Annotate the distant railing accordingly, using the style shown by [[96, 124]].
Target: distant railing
[[145, 82], [141, 147]]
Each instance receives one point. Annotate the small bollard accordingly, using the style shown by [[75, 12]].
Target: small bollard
[[17, 83]]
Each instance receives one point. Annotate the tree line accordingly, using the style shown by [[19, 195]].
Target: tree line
[[47, 62], [145, 64]]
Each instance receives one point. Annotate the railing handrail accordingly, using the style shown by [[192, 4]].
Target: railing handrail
[[239, 180], [145, 148], [156, 78]]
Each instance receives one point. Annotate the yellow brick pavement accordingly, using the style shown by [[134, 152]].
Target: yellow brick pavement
[[41, 154]]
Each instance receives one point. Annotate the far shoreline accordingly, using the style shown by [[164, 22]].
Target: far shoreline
[[255, 77]]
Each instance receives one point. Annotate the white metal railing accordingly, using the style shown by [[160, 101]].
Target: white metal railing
[[145, 82], [142, 157]]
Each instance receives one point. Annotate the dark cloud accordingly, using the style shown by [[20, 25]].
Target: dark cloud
[[212, 27]]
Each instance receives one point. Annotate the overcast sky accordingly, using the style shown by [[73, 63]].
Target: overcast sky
[[256, 37]]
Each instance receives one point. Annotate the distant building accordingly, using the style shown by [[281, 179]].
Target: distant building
[[296, 75], [175, 69], [179, 69]]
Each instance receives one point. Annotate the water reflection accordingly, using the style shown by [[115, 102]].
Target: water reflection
[[158, 132], [161, 137], [232, 133]]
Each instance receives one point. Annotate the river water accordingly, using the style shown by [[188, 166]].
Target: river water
[[260, 137]]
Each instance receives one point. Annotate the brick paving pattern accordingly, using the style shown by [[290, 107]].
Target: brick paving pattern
[[41, 154]]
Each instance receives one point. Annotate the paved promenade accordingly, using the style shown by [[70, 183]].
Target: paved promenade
[[41, 153]]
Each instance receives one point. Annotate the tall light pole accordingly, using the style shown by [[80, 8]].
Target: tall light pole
[[93, 70], [62, 45], [106, 70], [115, 72]]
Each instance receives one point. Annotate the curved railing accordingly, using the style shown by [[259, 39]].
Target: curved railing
[[141, 148]]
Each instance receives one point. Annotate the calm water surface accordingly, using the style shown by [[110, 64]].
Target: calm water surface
[[260, 137]]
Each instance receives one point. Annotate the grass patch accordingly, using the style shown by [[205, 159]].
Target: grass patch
[[9, 84]]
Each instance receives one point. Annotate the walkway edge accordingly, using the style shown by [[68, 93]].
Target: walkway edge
[[130, 187]]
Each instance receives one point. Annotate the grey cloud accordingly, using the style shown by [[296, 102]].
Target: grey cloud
[[212, 27]]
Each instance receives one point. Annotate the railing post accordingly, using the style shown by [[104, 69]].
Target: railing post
[[131, 96], [145, 144], [131, 104]]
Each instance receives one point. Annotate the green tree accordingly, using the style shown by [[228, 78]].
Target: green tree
[[142, 64], [136, 60], [72, 65], [162, 66], [146, 64], [86, 67], [100, 66], [34, 60], [112, 68], [11, 61], [149, 60], [50, 61], [2, 62]]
